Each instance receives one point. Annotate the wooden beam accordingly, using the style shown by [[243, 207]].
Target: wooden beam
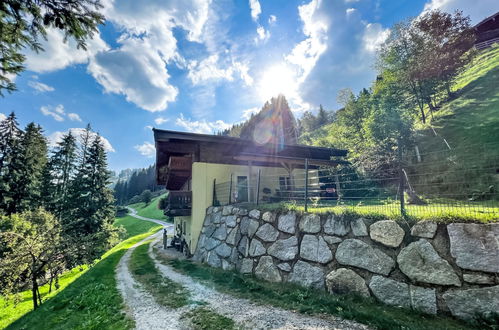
[[286, 161]]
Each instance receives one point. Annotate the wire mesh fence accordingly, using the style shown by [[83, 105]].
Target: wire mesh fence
[[454, 183]]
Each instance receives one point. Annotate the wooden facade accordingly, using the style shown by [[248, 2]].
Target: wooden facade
[[487, 32]]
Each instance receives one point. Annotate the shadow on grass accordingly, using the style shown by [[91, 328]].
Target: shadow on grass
[[90, 302]]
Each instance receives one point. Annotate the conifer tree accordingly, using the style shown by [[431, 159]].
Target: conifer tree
[[10, 160], [27, 190]]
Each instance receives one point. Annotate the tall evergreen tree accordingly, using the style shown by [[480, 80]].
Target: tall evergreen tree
[[92, 210], [59, 173], [27, 190], [10, 160]]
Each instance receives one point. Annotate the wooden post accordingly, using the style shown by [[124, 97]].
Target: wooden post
[[258, 187], [306, 184], [250, 164], [230, 190], [338, 189]]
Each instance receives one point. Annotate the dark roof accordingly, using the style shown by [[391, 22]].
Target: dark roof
[[311, 151], [487, 20]]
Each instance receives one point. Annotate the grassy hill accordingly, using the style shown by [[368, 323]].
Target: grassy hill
[[150, 210], [87, 297]]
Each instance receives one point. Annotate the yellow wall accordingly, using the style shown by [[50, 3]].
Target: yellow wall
[[203, 175]]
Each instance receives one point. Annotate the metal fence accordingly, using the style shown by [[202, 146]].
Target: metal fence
[[452, 183]]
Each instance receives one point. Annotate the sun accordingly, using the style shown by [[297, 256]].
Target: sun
[[277, 79]]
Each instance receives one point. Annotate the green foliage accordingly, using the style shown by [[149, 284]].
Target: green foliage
[[32, 245], [131, 187], [87, 299], [165, 291], [151, 210], [202, 318], [133, 226], [146, 196], [22, 23]]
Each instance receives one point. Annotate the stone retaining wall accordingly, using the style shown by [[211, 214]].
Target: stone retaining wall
[[432, 268]]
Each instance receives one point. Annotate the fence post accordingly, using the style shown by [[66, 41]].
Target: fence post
[[306, 184], [214, 192], [230, 190], [258, 187], [401, 179]]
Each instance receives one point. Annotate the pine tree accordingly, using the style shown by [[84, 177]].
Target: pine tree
[[92, 211], [10, 160], [27, 190], [58, 175]]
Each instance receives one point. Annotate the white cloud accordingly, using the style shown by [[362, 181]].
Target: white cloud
[[2, 116], [262, 33], [74, 117], [58, 54], [306, 53], [272, 19], [203, 126], [256, 10], [40, 87], [350, 11], [248, 112], [56, 137], [160, 120], [149, 127], [55, 113], [374, 36], [208, 70], [477, 10], [146, 149]]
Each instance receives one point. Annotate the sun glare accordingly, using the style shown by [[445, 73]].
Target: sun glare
[[276, 80]]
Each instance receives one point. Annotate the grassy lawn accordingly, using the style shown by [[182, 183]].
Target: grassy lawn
[[150, 210], [87, 297], [308, 301]]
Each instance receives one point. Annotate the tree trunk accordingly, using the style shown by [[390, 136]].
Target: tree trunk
[[34, 290]]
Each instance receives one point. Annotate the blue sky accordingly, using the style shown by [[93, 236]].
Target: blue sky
[[200, 66]]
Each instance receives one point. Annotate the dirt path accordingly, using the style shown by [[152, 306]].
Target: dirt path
[[147, 314], [245, 313]]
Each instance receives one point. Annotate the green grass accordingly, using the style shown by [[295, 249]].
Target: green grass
[[134, 226], [202, 318], [87, 297], [165, 291], [437, 211], [150, 210], [308, 301]]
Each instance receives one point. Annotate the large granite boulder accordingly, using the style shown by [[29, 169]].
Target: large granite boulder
[[468, 304], [220, 233], [475, 246], [425, 229], [336, 225], [284, 249], [234, 236], [423, 299], [287, 222], [255, 214], [213, 260], [310, 223], [358, 227], [268, 217], [231, 221], [420, 262], [387, 232], [227, 210], [266, 270], [223, 250], [211, 243], [246, 266], [390, 292], [243, 246], [267, 233], [345, 280], [354, 252], [252, 227], [315, 248], [307, 275], [478, 278], [256, 248]]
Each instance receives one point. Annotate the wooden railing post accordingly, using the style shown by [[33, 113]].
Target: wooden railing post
[[258, 187], [230, 190], [214, 192]]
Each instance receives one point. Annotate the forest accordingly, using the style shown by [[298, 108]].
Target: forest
[[56, 207]]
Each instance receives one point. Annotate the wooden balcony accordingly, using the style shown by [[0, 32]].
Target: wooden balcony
[[179, 203]]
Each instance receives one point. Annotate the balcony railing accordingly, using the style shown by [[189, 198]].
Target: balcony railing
[[179, 203]]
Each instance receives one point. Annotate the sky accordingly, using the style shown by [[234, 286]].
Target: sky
[[201, 65]]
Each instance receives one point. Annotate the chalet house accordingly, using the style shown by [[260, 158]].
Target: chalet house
[[203, 170], [487, 32]]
